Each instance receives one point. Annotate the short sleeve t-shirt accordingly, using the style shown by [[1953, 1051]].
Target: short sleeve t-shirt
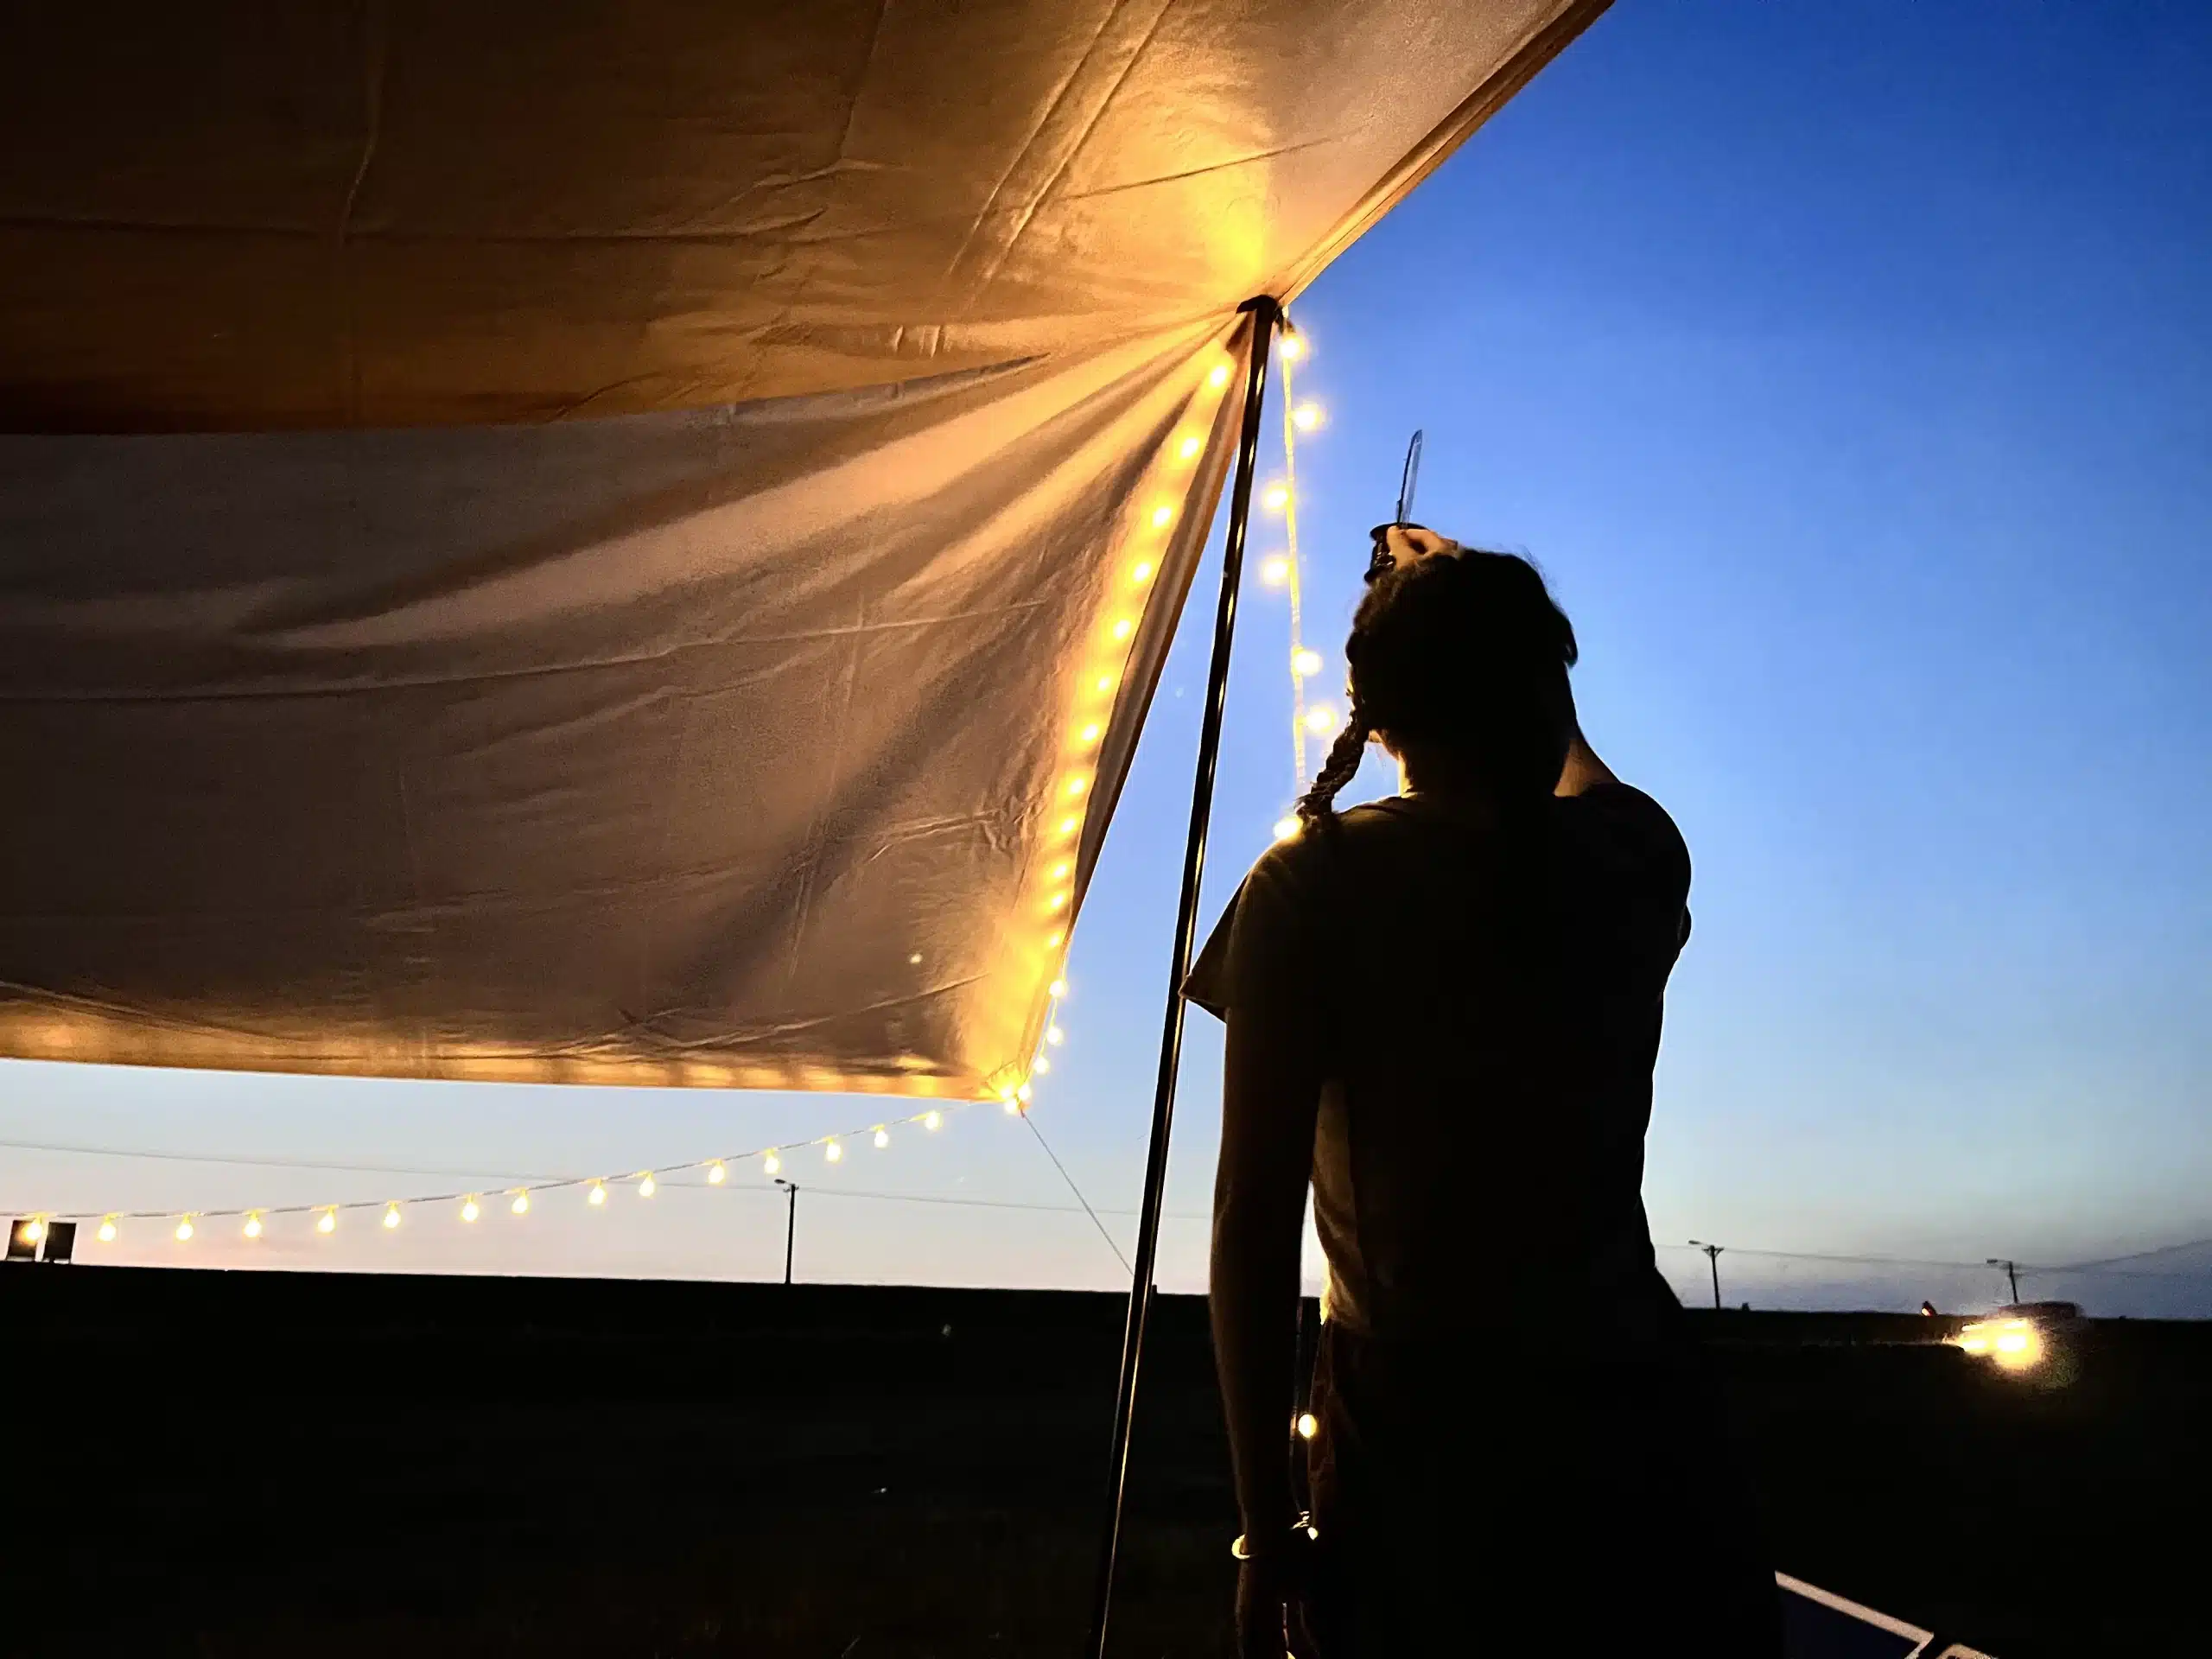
[[1485, 1003]]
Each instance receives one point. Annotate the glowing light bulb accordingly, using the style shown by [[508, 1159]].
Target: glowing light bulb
[[391, 1215], [770, 1164], [883, 1139], [1054, 1035], [647, 1185], [1040, 1065], [184, 1230], [1188, 450], [521, 1205], [715, 1173], [833, 1151], [1321, 719], [595, 1194], [327, 1222], [1090, 733], [1141, 572], [1306, 416], [1013, 1106], [253, 1223], [1286, 828], [107, 1229], [931, 1119], [1070, 824], [1103, 685], [1022, 1094], [469, 1208], [1275, 498], [1059, 987], [1293, 346], [1123, 629], [1060, 870], [1275, 570], [1076, 784], [915, 960], [1305, 663], [33, 1230], [1307, 1429], [1220, 378], [1054, 939], [1058, 902], [1162, 516]]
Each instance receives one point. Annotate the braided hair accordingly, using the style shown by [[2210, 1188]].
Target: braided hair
[[1466, 650]]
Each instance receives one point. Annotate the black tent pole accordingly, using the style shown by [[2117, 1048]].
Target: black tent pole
[[1266, 317]]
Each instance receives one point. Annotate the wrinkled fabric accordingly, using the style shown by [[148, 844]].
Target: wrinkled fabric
[[247, 215], [629, 544]]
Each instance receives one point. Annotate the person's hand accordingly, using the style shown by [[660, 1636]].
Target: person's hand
[[1410, 543]]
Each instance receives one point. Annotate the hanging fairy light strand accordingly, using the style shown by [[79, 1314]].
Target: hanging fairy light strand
[[185, 1225], [1285, 570]]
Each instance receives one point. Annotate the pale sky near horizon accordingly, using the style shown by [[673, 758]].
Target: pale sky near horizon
[[1846, 369]]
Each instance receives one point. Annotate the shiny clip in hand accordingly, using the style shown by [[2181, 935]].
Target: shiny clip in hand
[[1385, 556]]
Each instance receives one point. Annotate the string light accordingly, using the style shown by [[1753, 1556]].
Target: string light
[[32, 1230], [832, 1151], [1275, 498], [327, 1221], [1054, 1035], [1141, 572], [715, 1173], [391, 1216], [882, 1138], [184, 1229], [1307, 1429], [469, 1210], [647, 1185], [1275, 570], [1105, 683], [931, 1119], [595, 1194], [521, 1205], [1040, 1065], [1220, 378], [1188, 450], [252, 1228], [108, 1229], [1298, 416]]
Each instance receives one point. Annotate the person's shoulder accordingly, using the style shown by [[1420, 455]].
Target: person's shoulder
[[1628, 820]]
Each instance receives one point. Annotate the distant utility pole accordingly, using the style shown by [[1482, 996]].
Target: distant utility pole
[[790, 1225], [2011, 1275], [1713, 1260]]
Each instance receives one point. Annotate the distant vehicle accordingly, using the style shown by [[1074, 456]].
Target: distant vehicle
[[2021, 1337]]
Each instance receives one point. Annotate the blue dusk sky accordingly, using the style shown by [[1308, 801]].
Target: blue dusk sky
[[1848, 369]]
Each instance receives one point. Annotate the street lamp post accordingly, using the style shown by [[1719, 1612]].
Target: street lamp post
[[791, 1224], [2011, 1275], [1713, 1260]]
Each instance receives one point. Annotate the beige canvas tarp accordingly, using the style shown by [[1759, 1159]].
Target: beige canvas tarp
[[628, 542]]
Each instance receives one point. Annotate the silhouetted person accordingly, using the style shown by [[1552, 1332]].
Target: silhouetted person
[[1444, 1009]]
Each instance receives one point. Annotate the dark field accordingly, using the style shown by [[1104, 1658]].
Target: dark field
[[223, 1465]]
